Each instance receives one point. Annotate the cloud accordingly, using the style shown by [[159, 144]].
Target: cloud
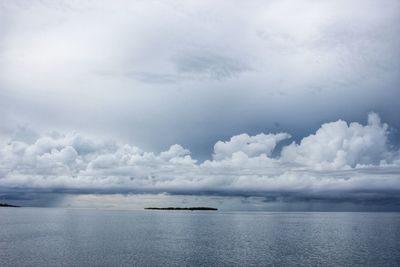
[[174, 151], [250, 145], [197, 71], [339, 160], [204, 65], [338, 145]]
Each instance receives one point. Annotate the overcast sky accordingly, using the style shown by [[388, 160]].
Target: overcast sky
[[273, 101]]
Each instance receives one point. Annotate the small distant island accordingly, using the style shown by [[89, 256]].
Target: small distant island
[[184, 208], [8, 205]]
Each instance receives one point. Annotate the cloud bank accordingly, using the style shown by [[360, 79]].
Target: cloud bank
[[338, 160]]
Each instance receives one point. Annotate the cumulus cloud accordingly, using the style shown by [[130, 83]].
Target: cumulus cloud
[[340, 145], [174, 152], [339, 157], [250, 145]]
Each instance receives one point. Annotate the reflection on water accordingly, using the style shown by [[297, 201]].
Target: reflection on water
[[67, 237]]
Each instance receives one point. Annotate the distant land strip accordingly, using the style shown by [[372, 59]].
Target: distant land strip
[[8, 205], [180, 208]]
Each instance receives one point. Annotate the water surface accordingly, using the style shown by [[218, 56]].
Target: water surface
[[72, 237]]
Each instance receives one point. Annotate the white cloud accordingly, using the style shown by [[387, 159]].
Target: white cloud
[[339, 145], [173, 152], [250, 145], [338, 157]]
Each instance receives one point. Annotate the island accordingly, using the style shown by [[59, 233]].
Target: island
[[185, 208], [8, 205]]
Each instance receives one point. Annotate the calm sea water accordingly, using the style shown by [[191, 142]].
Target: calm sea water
[[68, 237]]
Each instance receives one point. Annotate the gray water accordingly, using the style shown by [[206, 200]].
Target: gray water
[[68, 237]]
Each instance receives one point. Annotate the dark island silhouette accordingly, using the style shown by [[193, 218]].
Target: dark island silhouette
[[8, 205], [182, 208]]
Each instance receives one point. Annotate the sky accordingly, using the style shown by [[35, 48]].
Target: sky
[[260, 105]]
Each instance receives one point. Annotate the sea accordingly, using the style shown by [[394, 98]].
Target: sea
[[94, 237]]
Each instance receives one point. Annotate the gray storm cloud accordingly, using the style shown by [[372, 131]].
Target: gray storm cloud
[[338, 157], [198, 71]]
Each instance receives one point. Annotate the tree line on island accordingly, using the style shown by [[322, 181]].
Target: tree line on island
[[8, 205], [182, 208]]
